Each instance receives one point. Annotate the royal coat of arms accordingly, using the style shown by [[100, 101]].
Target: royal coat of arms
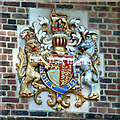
[[61, 57]]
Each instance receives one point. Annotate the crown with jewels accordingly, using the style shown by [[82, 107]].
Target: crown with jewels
[[59, 29], [30, 36]]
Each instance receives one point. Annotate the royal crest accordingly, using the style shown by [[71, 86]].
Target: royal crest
[[61, 57]]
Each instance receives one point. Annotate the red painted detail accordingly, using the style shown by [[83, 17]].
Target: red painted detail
[[89, 63], [80, 47], [34, 48], [81, 62], [58, 28], [32, 60], [64, 67], [40, 60]]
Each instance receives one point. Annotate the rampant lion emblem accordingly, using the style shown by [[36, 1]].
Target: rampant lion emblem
[[60, 59]]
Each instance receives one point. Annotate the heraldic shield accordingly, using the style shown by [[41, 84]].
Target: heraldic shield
[[61, 58]]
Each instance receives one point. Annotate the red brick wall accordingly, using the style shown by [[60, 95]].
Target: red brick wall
[[103, 16]]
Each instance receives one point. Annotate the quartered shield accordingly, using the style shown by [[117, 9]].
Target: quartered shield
[[59, 77]]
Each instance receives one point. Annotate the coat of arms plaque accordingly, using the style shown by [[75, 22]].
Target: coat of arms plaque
[[61, 57]]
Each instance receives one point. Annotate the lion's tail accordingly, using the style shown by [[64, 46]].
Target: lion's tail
[[21, 65]]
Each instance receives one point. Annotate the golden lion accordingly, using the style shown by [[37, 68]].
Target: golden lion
[[32, 49]]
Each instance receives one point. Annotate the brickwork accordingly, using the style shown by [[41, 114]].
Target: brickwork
[[103, 16]]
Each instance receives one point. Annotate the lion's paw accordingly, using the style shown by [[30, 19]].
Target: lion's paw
[[26, 93]]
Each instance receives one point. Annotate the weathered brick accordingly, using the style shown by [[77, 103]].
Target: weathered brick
[[111, 62], [11, 45], [113, 27], [7, 75], [111, 86], [3, 20], [103, 38], [14, 39], [101, 8], [7, 51], [38, 113], [105, 32], [102, 110], [64, 6], [111, 74], [111, 50], [117, 33], [103, 86], [112, 68], [116, 9], [2, 106], [108, 20], [42, 5], [21, 22], [2, 32], [2, 69], [92, 14], [117, 105], [116, 56], [3, 57], [9, 69], [102, 26], [2, 93], [106, 80], [118, 50], [112, 3], [4, 38], [102, 104], [22, 16], [116, 80], [21, 10], [9, 27], [26, 107], [103, 50], [111, 110], [19, 106], [107, 56], [28, 4], [16, 4], [111, 15], [95, 26], [96, 116], [5, 112], [12, 9], [11, 21], [95, 20], [102, 14], [79, 7], [11, 33], [109, 116], [93, 109], [14, 88], [10, 106], [112, 44], [118, 111], [110, 92], [16, 112], [73, 115], [4, 87], [11, 82], [4, 63], [24, 100], [103, 98], [10, 93], [5, 15], [8, 99]]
